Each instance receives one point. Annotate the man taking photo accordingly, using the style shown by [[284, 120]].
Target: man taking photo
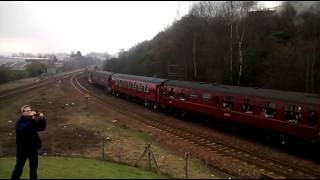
[[28, 141]]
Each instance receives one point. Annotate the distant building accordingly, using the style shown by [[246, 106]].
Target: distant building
[[35, 59], [51, 71], [58, 64]]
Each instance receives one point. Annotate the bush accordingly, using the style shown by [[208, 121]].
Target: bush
[[35, 69]]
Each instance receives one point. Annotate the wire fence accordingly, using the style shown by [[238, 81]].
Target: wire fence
[[98, 149]]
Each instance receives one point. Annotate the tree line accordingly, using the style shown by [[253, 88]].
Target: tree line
[[235, 43]]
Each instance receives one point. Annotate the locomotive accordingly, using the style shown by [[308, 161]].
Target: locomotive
[[291, 113]]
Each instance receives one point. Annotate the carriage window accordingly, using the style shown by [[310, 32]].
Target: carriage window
[[134, 85], [171, 92], [140, 87], [246, 106], [206, 96], [228, 103], [193, 95], [312, 117], [292, 113], [146, 88], [182, 95], [268, 109]]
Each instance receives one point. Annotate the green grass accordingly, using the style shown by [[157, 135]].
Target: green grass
[[70, 168]]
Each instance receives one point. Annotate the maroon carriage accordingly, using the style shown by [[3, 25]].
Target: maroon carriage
[[101, 78], [291, 113], [144, 88]]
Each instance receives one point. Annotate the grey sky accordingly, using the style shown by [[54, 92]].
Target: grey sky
[[51, 27]]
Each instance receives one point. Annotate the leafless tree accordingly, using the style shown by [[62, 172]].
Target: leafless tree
[[235, 12]]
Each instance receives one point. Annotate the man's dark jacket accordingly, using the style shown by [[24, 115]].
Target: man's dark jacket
[[27, 137]]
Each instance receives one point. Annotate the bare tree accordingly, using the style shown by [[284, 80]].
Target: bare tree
[[235, 12], [230, 14], [243, 7], [194, 53], [206, 10]]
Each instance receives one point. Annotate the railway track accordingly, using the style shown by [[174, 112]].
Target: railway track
[[262, 165], [24, 88]]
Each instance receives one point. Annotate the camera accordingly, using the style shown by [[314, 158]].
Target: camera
[[36, 114]]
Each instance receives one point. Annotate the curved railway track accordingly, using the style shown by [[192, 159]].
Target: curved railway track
[[27, 87], [262, 165]]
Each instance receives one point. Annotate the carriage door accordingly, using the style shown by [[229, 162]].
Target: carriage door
[[158, 93]]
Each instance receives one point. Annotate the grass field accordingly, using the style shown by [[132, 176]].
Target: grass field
[[70, 168]]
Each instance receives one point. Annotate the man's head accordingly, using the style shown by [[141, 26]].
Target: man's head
[[26, 110]]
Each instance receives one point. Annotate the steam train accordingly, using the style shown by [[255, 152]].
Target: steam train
[[289, 113]]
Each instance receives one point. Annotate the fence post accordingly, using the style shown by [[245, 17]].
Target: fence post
[[155, 162], [149, 156], [102, 144], [186, 165], [0, 150], [144, 152]]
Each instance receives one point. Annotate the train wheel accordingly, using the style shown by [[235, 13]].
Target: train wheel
[[283, 139], [183, 113], [154, 106], [146, 103]]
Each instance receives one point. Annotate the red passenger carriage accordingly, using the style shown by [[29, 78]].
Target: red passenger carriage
[[144, 88], [286, 112]]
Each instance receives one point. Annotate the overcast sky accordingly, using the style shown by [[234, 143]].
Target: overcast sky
[[51, 27]]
